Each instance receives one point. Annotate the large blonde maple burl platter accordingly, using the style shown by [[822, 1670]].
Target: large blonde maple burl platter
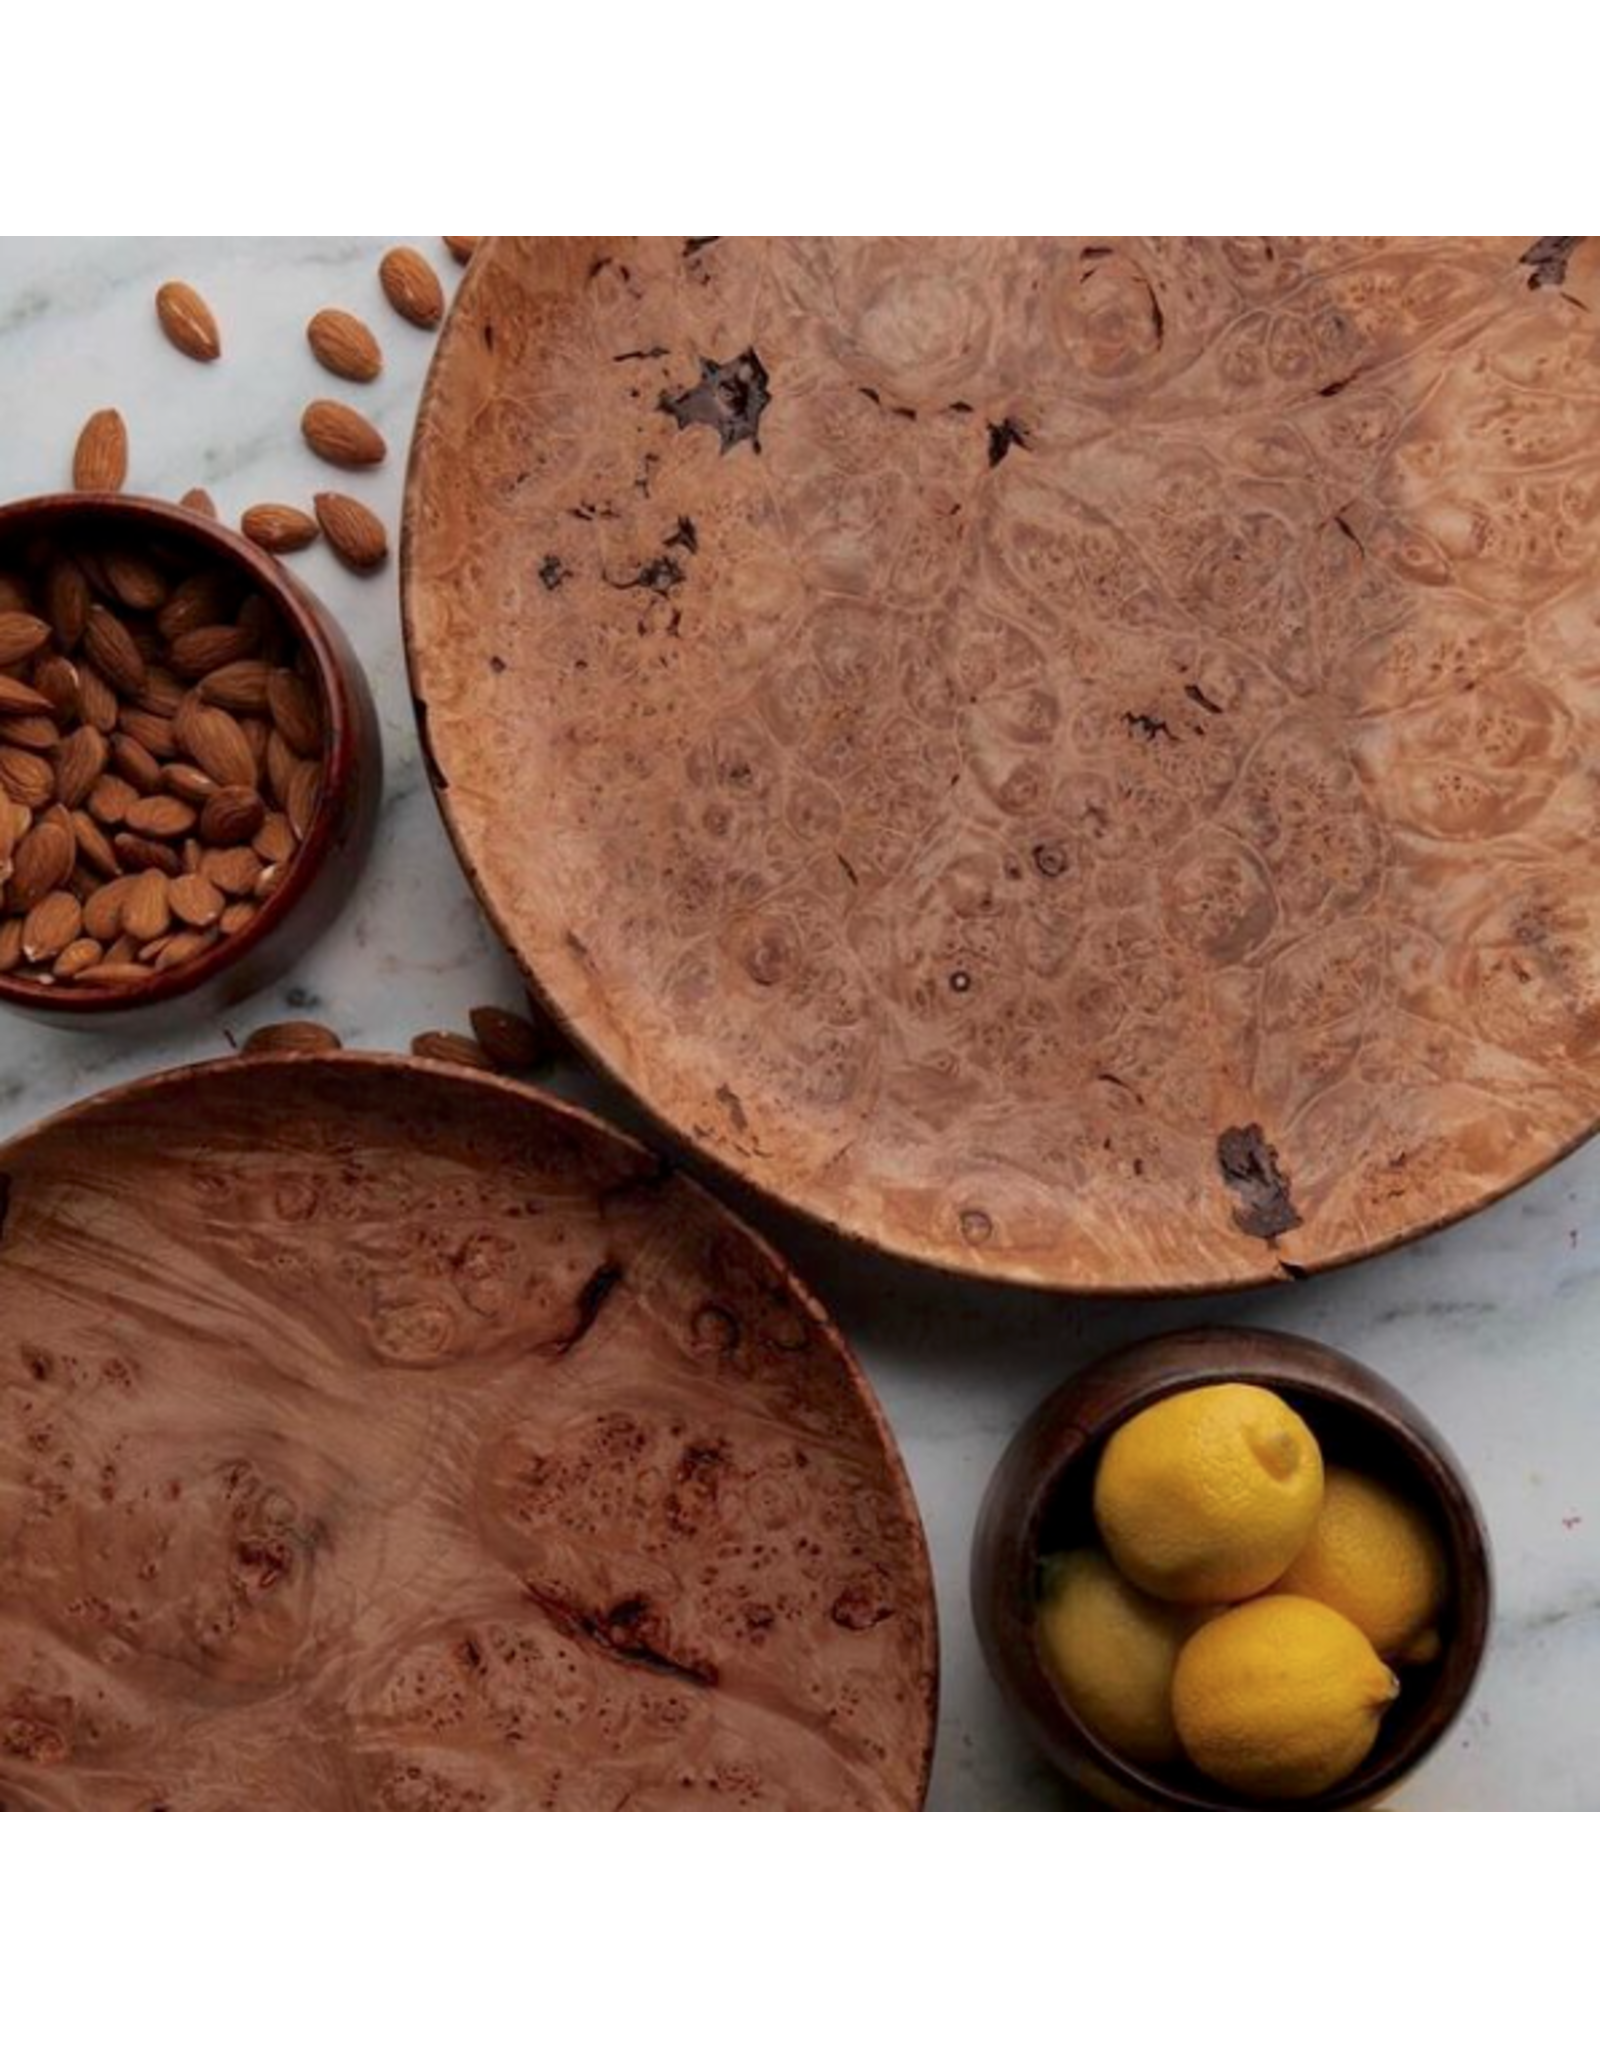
[[1073, 760]]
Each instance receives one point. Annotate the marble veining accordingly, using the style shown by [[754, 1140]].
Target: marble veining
[[1491, 1327]]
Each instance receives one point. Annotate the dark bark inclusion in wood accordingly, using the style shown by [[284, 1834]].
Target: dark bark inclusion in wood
[[1142, 692], [378, 1438]]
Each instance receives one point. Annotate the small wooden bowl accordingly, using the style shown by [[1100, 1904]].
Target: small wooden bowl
[[1039, 1502], [325, 869]]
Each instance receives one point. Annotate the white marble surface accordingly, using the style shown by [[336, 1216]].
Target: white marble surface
[[1493, 1327]]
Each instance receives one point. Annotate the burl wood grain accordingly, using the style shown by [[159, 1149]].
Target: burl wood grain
[[379, 1436], [1073, 760]]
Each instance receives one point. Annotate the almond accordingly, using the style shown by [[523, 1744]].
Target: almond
[[95, 851], [161, 817], [205, 599], [80, 760], [113, 974], [141, 855], [97, 701], [214, 740], [114, 652], [275, 841], [25, 778], [10, 944], [37, 732], [21, 700], [295, 711], [411, 285], [236, 918], [460, 1051], [463, 247], [354, 532], [102, 912], [56, 680], [66, 601], [14, 595], [100, 460], [232, 817], [54, 921], [293, 1037], [280, 529], [513, 1043], [199, 500], [305, 793], [234, 869], [73, 959], [341, 436], [42, 863], [111, 799], [197, 653], [197, 900], [187, 946], [21, 636], [344, 345], [188, 322], [135, 763], [147, 909], [179, 778], [238, 686], [134, 579]]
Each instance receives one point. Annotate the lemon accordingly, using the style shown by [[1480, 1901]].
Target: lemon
[[1112, 1649], [1210, 1494], [1280, 1698], [1374, 1557]]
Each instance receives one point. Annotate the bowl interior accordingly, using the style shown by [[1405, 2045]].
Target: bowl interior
[[183, 541], [1350, 1432]]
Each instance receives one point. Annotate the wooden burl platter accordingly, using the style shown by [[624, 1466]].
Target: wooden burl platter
[[1073, 759], [376, 1435]]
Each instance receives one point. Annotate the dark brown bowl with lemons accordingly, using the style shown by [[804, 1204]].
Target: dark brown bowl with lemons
[[131, 557], [1040, 1503]]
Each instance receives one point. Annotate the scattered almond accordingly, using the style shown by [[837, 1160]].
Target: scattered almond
[[340, 435], [344, 345], [280, 529], [512, 1043], [188, 322], [200, 500], [100, 460], [293, 1037], [411, 285], [354, 532], [453, 1046]]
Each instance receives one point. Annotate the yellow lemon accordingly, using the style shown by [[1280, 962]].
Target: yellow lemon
[[1113, 1649], [1280, 1698], [1208, 1495], [1374, 1556]]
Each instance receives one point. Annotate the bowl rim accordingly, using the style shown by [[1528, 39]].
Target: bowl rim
[[340, 761], [1300, 1365], [925, 1680], [886, 1239]]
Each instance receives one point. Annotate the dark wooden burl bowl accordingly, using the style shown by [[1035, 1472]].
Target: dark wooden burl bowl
[[1040, 1501], [1066, 759], [378, 1434], [327, 865]]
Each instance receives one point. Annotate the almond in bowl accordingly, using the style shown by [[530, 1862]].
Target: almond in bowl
[[189, 760]]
